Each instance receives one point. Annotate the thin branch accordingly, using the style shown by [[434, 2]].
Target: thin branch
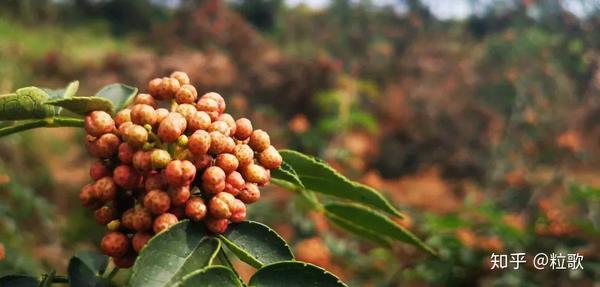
[[42, 123]]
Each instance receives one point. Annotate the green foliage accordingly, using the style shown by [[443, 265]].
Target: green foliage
[[119, 94], [317, 176], [171, 255], [84, 105], [294, 274], [25, 103], [18, 281], [256, 244], [85, 269], [213, 276]]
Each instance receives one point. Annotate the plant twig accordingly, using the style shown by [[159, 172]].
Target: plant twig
[[55, 122], [113, 273]]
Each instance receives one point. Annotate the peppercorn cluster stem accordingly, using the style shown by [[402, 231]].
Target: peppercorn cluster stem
[[157, 166]]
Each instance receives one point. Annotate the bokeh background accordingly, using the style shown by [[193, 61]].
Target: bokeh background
[[480, 119]]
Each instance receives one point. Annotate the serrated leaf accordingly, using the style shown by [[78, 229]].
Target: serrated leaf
[[256, 243], [213, 276], [358, 230], [66, 92], [317, 176], [83, 275], [119, 94], [172, 254], [18, 281], [84, 105], [294, 274], [286, 172], [369, 219], [24, 104]]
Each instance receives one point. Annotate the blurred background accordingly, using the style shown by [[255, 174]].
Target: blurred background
[[480, 119]]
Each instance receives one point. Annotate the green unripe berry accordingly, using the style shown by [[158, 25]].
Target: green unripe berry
[[160, 158]]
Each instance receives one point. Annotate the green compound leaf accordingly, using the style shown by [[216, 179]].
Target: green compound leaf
[[84, 270], [286, 172], [24, 104], [359, 230], [172, 254], [256, 243], [374, 222], [294, 274], [84, 105], [317, 176], [213, 276], [119, 94], [18, 281], [69, 91]]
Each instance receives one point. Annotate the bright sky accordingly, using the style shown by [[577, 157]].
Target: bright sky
[[445, 9]]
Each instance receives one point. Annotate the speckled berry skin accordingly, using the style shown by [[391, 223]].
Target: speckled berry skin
[[155, 180], [105, 189], [238, 211], [227, 162], [143, 114], [105, 146], [139, 240], [157, 202], [220, 126], [259, 140], [135, 135], [164, 221], [213, 180], [250, 193], [218, 99], [195, 208], [154, 86], [243, 128], [187, 94], [146, 99], [142, 160], [122, 117], [126, 261], [126, 176], [218, 143], [234, 183], [216, 225], [270, 158], [179, 195], [180, 173], [141, 219], [87, 197], [198, 121], [199, 142], [105, 214], [255, 173], [172, 127], [218, 208], [244, 154], [98, 170], [115, 244], [125, 153], [98, 123], [181, 77]]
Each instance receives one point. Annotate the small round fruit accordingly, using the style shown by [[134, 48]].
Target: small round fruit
[[164, 221], [187, 94], [127, 218], [207, 105], [135, 135], [234, 183], [125, 153], [126, 176], [146, 99], [227, 118], [227, 162], [216, 225], [115, 244], [98, 123], [168, 88], [179, 195], [171, 127], [213, 180], [160, 158], [142, 160], [238, 212], [244, 154], [218, 208], [218, 143], [198, 121], [139, 240], [105, 146], [98, 170], [141, 219], [126, 261], [250, 193], [259, 140], [195, 208], [220, 126], [180, 173], [243, 128], [201, 162], [161, 114], [105, 189], [270, 158], [181, 77], [154, 86], [105, 214], [217, 98], [255, 173], [155, 181], [157, 201], [113, 225], [122, 117], [199, 142], [143, 114]]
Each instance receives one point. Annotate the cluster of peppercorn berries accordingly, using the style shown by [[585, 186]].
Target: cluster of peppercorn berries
[[171, 155]]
